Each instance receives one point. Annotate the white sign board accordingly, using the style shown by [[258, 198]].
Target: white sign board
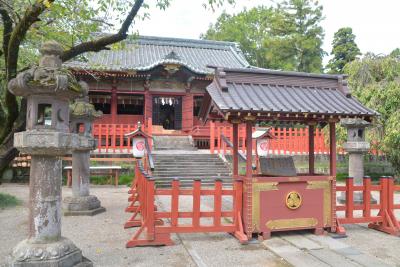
[[262, 147], [138, 147]]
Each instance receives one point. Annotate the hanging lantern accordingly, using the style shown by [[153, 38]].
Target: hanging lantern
[[138, 142]]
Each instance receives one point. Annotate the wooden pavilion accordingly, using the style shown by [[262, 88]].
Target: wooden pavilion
[[257, 95]]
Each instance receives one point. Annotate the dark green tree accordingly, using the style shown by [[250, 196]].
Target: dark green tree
[[344, 50], [375, 81], [287, 36]]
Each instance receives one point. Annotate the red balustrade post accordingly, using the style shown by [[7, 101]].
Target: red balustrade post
[[114, 135], [107, 136], [99, 136], [175, 202], [217, 202], [219, 139], [212, 137], [349, 197], [367, 197], [196, 203], [121, 137], [383, 196], [150, 130], [151, 222], [225, 131]]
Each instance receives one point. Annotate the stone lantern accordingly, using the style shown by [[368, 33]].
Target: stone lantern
[[356, 147], [48, 89], [82, 115]]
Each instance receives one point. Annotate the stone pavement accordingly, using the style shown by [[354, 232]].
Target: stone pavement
[[102, 239]]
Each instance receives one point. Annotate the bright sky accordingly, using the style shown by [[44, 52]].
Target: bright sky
[[375, 23]]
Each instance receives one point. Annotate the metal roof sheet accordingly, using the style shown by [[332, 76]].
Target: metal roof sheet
[[256, 91], [145, 52]]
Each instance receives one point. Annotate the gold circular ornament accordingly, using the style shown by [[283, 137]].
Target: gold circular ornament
[[293, 200]]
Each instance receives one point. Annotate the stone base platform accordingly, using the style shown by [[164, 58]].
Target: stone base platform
[[62, 253], [82, 206], [84, 212]]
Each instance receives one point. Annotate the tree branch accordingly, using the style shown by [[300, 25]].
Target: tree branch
[[18, 34], [7, 29], [102, 42]]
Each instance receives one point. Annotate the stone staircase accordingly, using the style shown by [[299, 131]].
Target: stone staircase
[[187, 167], [175, 157], [177, 142]]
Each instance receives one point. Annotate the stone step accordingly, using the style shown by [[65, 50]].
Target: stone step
[[190, 175], [197, 168]]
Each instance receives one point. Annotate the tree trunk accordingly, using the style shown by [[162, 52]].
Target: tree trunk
[[7, 150]]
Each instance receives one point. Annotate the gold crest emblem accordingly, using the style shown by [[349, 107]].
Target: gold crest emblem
[[293, 200]]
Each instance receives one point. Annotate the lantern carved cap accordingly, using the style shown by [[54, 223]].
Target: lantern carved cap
[[354, 123], [49, 78], [81, 108]]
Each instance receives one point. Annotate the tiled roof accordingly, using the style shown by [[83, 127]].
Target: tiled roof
[[144, 53], [259, 90]]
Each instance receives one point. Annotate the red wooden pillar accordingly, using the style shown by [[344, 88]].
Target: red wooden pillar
[[148, 105], [212, 137], [235, 136], [187, 112], [311, 157], [332, 148], [114, 103]]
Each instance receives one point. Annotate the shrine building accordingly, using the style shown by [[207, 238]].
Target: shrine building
[[155, 77]]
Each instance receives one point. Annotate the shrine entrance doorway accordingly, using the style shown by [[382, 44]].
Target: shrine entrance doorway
[[167, 112]]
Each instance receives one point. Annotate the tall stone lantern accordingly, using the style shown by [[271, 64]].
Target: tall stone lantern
[[82, 115], [48, 89], [356, 147]]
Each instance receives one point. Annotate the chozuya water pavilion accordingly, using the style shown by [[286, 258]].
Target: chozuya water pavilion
[[258, 95]]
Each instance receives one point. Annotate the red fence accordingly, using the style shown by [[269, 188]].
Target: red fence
[[110, 137], [380, 216], [156, 226], [288, 140]]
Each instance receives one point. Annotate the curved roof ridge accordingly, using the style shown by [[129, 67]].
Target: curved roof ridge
[[203, 43]]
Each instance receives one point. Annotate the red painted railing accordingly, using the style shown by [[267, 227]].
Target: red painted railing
[[288, 140], [155, 226], [110, 137], [380, 216]]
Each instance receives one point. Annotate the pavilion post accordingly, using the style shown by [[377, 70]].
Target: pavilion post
[[311, 147], [248, 185], [235, 129], [249, 149], [332, 148]]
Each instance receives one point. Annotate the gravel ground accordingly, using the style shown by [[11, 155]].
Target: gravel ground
[[102, 238]]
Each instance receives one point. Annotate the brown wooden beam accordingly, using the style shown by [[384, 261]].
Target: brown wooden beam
[[332, 148], [235, 136], [311, 157], [249, 149]]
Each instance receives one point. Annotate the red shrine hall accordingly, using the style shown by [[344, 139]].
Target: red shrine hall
[[154, 77]]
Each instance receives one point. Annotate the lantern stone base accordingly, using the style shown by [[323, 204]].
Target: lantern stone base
[[62, 253], [82, 206]]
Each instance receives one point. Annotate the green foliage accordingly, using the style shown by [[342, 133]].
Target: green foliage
[[375, 81], [8, 201], [287, 36], [344, 50], [124, 179]]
